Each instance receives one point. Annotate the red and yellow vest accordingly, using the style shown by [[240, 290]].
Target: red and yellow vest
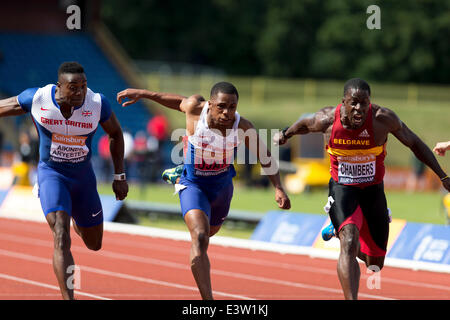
[[355, 159]]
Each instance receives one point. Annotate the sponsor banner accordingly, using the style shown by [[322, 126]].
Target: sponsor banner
[[3, 194], [289, 228], [415, 242], [395, 228], [306, 230], [20, 203], [423, 242]]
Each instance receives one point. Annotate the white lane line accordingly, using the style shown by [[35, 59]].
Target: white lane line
[[149, 247], [294, 284], [183, 267], [48, 286], [122, 228], [119, 275], [254, 261], [266, 246], [233, 274], [413, 283]]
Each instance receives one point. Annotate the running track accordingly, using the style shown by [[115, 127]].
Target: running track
[[135, 267]]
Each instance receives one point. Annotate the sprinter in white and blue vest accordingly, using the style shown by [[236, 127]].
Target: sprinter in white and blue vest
[[66, 116], [214, 130]]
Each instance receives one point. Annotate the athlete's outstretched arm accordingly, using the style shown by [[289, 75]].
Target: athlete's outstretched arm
[[169, 100], [116, 146], [254, 143], [10, 107], [317, 122], [441, 147], [413, 142]]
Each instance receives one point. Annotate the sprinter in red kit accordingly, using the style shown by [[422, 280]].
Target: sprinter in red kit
[[356, 133]]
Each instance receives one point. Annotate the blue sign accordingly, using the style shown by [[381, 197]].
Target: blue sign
[[417, 242], [289, 228], [3, 194], [110, 206], [423, 242]]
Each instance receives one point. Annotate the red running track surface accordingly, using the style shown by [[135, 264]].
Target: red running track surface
[[132, 267]]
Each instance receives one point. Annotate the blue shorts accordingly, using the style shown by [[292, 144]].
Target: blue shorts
[[214, 201], [74, 192]]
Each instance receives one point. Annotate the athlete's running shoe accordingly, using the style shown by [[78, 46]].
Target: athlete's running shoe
[[328, 232], [171, 175]]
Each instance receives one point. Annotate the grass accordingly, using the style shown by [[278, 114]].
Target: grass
[[276, 103], [164, 194], [422, 207], [229, 229]]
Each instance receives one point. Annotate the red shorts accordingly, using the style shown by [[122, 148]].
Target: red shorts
[[367, 209]]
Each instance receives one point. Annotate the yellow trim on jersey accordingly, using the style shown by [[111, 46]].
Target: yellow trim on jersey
[[345, 152]]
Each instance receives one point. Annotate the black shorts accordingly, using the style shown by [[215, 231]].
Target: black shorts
[[367, 209]]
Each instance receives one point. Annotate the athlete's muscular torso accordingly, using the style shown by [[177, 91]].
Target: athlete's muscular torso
[[355, 157], [383, 122], [380, 122], [64, 140]]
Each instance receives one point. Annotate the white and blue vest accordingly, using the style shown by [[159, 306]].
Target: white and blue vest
[[64, 143], [208, 155]]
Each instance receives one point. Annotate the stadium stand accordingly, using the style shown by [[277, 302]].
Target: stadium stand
[[31, 60]]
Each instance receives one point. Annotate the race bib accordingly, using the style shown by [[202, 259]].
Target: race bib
[[356, 169], [68, 148], [210, 163]]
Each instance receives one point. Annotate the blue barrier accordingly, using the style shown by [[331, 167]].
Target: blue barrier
[[19, 202], [3, 194], [289, 228], [111, 207], [416, 244], [423, 242]]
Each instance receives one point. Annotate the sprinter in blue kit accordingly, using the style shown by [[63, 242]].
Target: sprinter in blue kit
[[66, 116], [214, 130]]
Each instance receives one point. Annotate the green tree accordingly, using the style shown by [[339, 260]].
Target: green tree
[[286, 41], [290, 38], [408, 47]]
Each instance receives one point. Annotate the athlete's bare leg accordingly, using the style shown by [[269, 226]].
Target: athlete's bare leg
[[213, 230], [348, 267], [59, 223], [198, 225], [92, 236]]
